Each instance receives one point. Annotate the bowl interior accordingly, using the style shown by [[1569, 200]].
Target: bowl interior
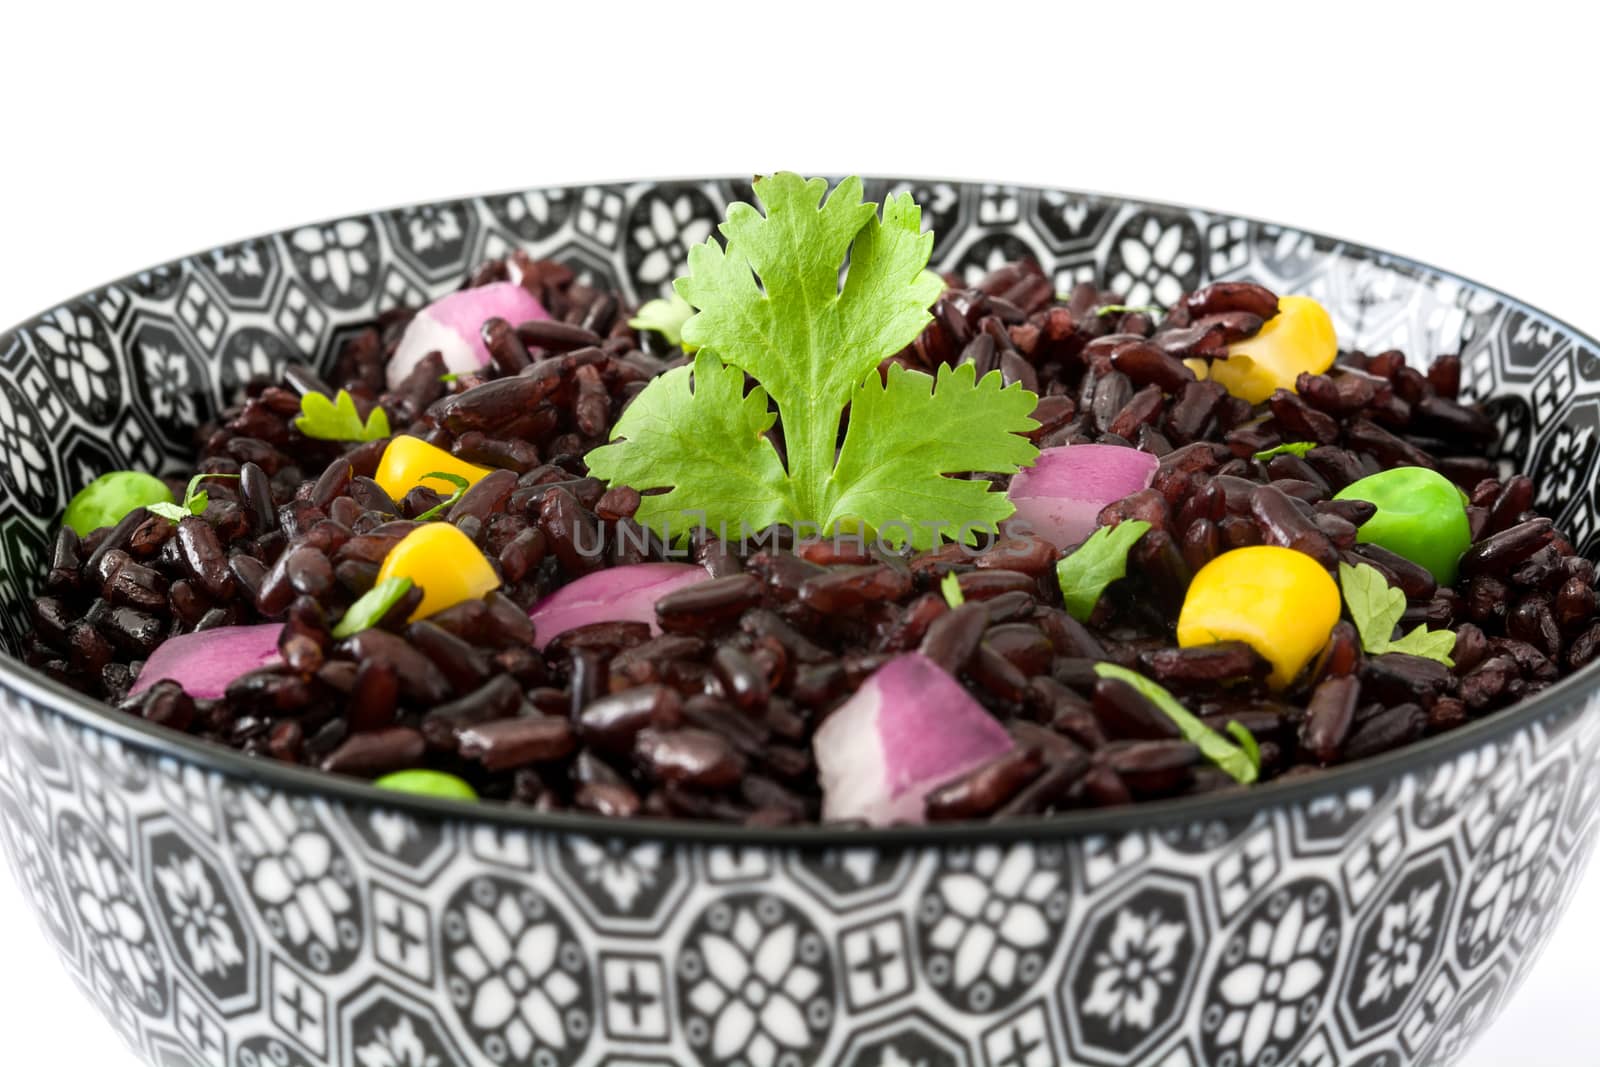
[[120, 376]]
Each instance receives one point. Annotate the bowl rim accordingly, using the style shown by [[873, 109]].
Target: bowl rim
[[1231, 804]]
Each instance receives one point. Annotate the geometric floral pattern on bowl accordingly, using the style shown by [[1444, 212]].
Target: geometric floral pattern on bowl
[[228, 914], [258, 927]]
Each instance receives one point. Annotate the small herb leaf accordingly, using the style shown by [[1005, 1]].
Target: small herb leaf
[[195, 498], [666, 316], [1124, 309], [338, 419], [950, 586], [1431, 644], [1292, 448], [1234, 759], [1095, 564], [1375, 607], [194, 502], [372, 606], [461, 486]]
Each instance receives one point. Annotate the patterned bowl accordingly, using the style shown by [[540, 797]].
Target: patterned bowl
[[222, 912]]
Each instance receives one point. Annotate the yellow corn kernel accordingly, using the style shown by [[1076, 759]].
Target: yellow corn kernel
[[1278, 601], [444, 562], [1298, 338], [407, 459]]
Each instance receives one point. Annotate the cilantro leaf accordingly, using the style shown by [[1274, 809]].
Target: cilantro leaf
[[771, 305], [950, 586], [1430, 644], [806, 339], [1123, 309], [1095, 564], [338, 419], [195, 500], [666, 316], [906, 434], [1292, 448], [461, 486], [699, 435], [370, 608], [167, 511], [1376, 606], [1237, 761]]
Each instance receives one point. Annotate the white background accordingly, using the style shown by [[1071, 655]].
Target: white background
[[1460, 138]]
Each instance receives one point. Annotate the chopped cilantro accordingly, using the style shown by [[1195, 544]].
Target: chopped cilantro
[[1376, 606], [666, 316], [195, 500], [338, 419], [1095, 564], [1292, 448]]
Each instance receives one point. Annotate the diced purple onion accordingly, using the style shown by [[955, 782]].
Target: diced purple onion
[[1059, 496], [204, 662], [616, 594], [909, 729], [453, 327]]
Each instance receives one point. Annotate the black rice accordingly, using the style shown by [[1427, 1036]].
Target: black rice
[[713, 717]]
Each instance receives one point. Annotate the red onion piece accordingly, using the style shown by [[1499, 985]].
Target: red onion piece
[[205, 662], [1061, 494], [453, 327], [616, 594], [909, 729]]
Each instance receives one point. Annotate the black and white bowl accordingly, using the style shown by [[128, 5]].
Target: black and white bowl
[[222, 912]]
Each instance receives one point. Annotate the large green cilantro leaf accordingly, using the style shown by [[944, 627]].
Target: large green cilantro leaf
[[906, 434], [771, 304], [806, 339], [702, 437]]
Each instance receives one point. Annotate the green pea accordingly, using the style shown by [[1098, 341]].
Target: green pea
[[104, 501], [1421, 515], [427, 784]]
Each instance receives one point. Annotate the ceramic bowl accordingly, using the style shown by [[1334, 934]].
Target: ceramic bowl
[[221, 911]]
